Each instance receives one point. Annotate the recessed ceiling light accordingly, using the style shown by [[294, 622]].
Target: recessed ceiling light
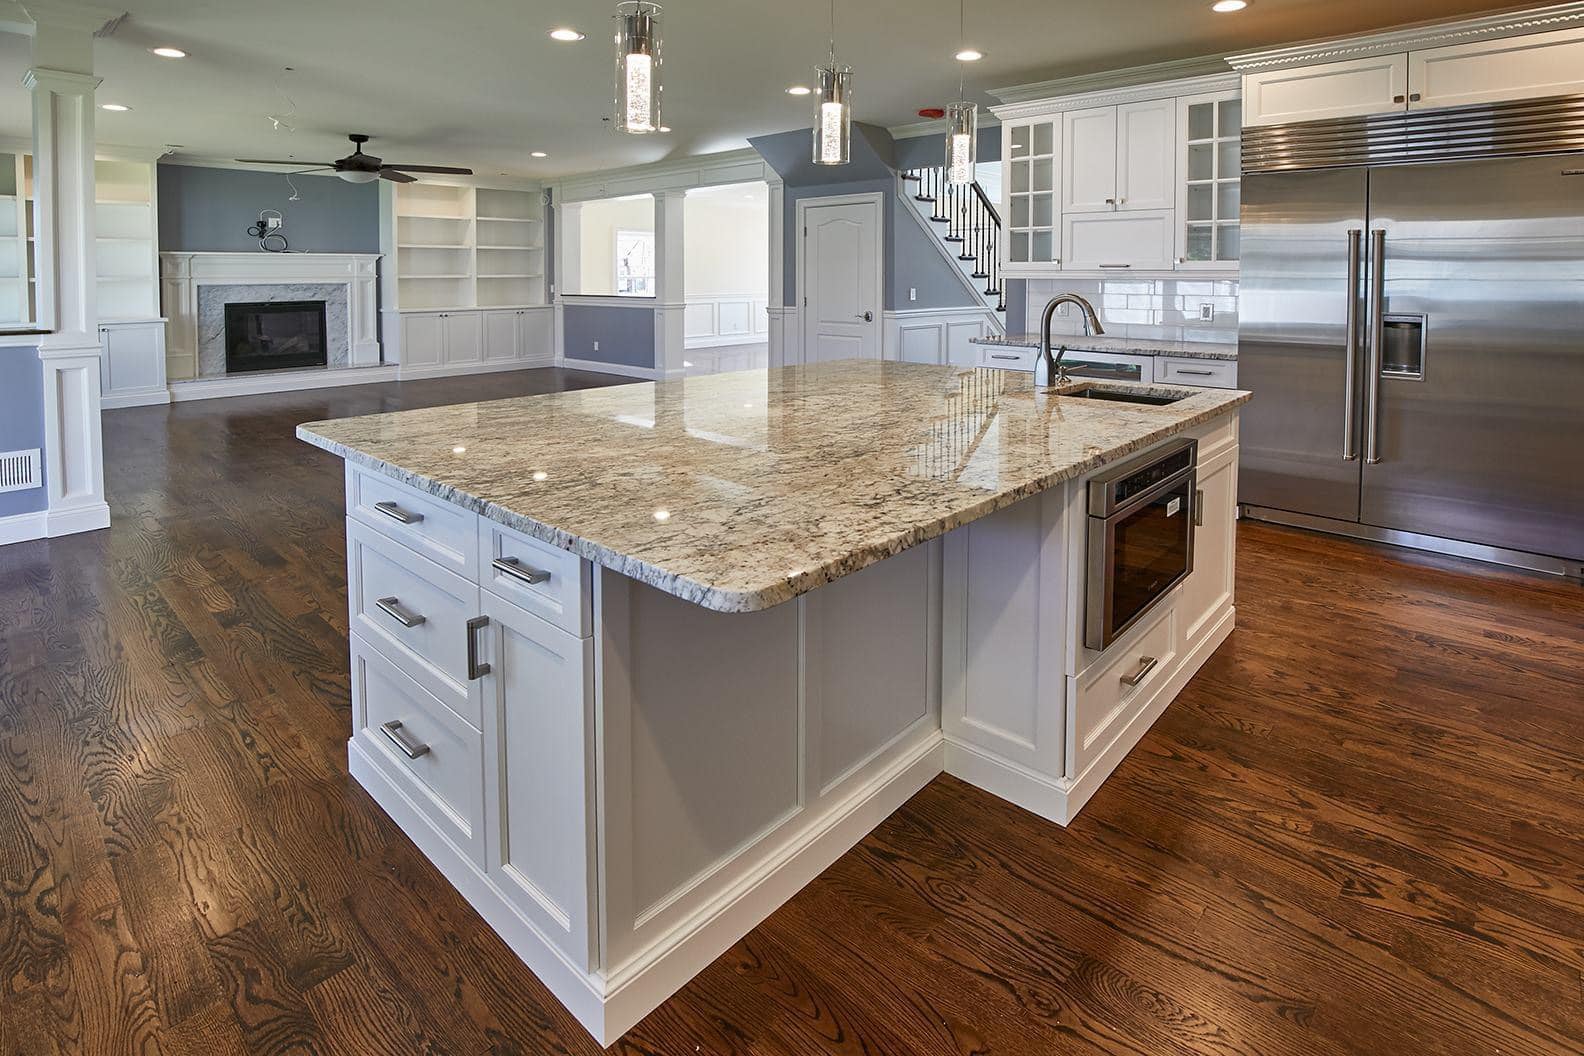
[[168, 52], [970, 55], [565, 34], [799, 89], [1223, 6], [119, 108], [537, 154]]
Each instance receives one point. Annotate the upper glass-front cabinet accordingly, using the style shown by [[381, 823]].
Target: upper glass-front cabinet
[[1029, 168], [1208, 200]]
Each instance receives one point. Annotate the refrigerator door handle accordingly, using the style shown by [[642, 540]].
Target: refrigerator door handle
[[1350, 357], [1377, 327]]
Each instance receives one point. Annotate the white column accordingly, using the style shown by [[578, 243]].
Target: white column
[[776, 300], [62, 84], [670, 285], [569, 266]]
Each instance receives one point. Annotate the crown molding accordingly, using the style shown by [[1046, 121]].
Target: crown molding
[[703, 170], [1413, 37], [61, 82], [937, 126], [1224, 81], [68, 14], [1109, 80]]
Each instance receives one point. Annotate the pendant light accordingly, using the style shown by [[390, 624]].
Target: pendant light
[[833, 119], [638, 66], [962, 117]]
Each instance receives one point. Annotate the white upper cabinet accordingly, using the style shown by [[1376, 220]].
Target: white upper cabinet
[[1357, 87], [1029, 166], [1209, 192], [1089, 160], [1119, 157], [1146, 154], [1492, 71]]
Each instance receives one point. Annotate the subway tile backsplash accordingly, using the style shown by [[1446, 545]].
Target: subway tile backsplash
[[1154, 309]]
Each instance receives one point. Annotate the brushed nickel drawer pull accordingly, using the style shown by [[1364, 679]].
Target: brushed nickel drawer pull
[[514, 568], [1146, 665], [476, 670], [1116, 265], [398, 612], [1196, 373], [396, 513], [1002, 355], [392, 731], [1198, 517]]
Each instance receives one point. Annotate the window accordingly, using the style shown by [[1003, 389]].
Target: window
[[635, 264]]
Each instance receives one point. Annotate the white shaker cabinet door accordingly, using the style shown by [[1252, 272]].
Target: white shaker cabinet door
[[500, 335], [1089, 156], [464, 337], [538, 771], [1492, 71], [1354, 88], [423, 339], [1146, 155]]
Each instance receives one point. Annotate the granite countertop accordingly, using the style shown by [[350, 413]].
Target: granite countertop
[[1133, 346], [741, 491]]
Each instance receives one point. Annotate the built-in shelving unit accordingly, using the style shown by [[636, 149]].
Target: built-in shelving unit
[[468, 247], [126, 242]]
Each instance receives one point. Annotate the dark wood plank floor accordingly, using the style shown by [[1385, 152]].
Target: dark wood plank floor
[[1359, 831]]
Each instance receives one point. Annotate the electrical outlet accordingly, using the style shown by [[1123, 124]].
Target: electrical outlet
[[596, 346], [912, 293], [1206, 312]]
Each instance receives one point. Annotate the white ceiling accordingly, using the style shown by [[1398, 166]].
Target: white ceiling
[[478, 82]]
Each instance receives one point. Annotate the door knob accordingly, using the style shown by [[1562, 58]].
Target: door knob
[[867, 317]]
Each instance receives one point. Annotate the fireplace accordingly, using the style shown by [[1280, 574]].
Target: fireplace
[[274, 335]]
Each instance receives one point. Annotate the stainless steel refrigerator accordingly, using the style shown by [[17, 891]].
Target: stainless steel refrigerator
[[1414, 338]]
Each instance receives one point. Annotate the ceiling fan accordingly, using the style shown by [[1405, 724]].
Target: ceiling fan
[[358, 167]]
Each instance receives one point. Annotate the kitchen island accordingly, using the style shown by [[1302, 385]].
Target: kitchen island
[[632, 665]]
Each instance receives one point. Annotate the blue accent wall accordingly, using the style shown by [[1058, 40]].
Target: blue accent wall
[[21, 420], [626, 335], [204, 210]]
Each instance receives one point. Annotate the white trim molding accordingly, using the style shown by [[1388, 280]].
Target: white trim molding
[[1415, 37], [258, 383], [597, 367], [1059, 100], [181, 274], [784, 333], [709, 170], [1136, 78], [73, 445], [725, 319]]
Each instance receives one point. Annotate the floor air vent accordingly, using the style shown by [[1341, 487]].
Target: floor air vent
[[19, 470]]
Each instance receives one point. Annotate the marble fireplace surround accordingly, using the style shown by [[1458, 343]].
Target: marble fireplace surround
[[195, 287]]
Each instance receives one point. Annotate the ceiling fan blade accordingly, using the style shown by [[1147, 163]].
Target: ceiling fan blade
[[451, 169], [397, 177], [293, 164]]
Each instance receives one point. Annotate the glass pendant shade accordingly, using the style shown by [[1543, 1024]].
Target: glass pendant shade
[[833, 121], [638, 66], [962, 142]]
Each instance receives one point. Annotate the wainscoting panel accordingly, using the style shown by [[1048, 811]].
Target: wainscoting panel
[[936, 335], [725, 320]]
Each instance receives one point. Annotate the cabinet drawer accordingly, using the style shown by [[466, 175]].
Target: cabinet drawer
[[415, 612], [435, 758], [1211, 373], [1006, 357], [1110, 692], [551, 583], [446, 534]]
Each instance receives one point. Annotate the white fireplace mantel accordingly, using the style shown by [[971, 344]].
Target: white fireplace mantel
[[181, 274]]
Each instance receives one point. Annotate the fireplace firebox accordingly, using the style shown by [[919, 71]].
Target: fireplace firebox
[[274, 335]]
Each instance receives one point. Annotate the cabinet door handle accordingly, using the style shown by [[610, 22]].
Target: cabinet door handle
[[1146, 665], [476, 670], [514, 568], [400, 613], [1414, 97], [396, 513], [1111, 201], [1198, 507], [393, 733], [1397, 98]]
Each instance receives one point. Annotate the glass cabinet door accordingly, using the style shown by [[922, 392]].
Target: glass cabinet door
[[1208, 199], [1029, 175]]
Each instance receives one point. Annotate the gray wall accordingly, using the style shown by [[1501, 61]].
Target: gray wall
[[625, 335], [209, 210], [926, 152], [21, 420]]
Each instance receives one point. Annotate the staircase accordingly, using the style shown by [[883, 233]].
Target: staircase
[[966, 224]]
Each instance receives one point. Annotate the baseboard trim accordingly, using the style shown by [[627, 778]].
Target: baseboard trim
[[220, 388], [610, 1006], [643, 373], [76, 519], [21, 527], [448, 370], [138, 398]]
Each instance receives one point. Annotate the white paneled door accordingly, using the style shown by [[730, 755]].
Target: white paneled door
[[839, 275]]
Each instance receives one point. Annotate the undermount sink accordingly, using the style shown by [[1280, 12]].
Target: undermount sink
[[1150, 398]]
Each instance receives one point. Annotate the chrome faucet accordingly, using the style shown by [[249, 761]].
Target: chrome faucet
[[1048, 369]]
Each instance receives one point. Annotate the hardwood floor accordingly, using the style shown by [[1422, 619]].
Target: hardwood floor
[[1360, 830]]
